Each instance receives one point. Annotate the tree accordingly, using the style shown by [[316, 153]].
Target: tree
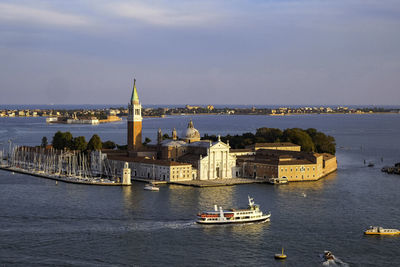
[[269, 135], [44, 141], [299, 137], [324, 143], [94, 143], [146, 141], [62, 140], [109, 145], [79, 143]]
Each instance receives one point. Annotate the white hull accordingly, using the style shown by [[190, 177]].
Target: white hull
[[151, 188], [249, 215], [265, 218]]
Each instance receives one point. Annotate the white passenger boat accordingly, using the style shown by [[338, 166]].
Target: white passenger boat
[[220, 216], [151, 187]]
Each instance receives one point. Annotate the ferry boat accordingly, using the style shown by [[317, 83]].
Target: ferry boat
[[220, 216], [377, 230]]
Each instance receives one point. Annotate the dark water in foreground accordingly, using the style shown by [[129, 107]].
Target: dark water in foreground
[[45, 224]]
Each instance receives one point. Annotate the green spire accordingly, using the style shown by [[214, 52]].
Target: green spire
[[135, 97]]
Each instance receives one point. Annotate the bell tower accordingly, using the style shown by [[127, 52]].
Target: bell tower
[[134, 121]]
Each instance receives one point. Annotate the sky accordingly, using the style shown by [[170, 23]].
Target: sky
[[261, 52]]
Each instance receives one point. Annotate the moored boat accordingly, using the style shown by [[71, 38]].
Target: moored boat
[[282, 180], [220, 216], [377, 230], [151, 187]]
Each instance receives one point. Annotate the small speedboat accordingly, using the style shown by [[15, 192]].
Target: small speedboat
[[328, 255], [280, 256], [371, 164], [151, 187]]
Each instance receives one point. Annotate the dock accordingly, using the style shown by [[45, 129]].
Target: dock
[[65, 179], [193, 183]]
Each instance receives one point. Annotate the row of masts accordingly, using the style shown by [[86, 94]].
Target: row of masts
[[50, 161], [55, 162]]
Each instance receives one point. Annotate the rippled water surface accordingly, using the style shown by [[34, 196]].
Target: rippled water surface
[[43, 224]]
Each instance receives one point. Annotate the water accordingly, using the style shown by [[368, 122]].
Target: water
[[44, 224]]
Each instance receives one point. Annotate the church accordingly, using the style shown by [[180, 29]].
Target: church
[[177, 159], [187, 157]]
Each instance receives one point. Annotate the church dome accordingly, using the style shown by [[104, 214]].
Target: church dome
[[191, 134]]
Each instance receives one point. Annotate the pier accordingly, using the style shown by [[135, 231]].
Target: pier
[[65, 179]]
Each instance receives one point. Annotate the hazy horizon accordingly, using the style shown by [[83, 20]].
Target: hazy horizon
[[251, 52]]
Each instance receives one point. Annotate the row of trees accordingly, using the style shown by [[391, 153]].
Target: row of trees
[[310, 140], [63, 140]]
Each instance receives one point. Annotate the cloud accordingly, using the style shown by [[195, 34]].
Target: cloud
[[184, 14], [24, 14]]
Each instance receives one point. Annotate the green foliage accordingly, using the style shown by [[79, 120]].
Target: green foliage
[[123, 147], [146, 141], [109, 145], [166, 136], [62, 140], [79, 143], [95, 143], [310, 140], [299, 137], [268, 135], [44, 141], [323, 143]]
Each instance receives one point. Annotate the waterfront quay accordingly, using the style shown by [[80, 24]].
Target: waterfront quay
[[65, 179]]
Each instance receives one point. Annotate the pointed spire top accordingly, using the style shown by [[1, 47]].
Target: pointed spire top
[[190, 125], [134, 97]]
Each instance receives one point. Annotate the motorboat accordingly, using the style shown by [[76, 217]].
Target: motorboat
[[377, 230], [282, 180], [151, 187], [328, 255], [219, 216]]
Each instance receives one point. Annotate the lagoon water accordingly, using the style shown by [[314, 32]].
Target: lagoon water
[[44, 224]]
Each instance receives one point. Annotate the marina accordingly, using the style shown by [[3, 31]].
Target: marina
[[64, 166]]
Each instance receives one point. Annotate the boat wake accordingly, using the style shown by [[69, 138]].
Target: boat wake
[[160, 225], [101, 226]]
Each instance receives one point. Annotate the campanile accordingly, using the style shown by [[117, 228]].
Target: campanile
[[134, 121]]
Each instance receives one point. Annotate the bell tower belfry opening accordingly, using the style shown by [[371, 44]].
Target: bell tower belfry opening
[[134, 121]]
